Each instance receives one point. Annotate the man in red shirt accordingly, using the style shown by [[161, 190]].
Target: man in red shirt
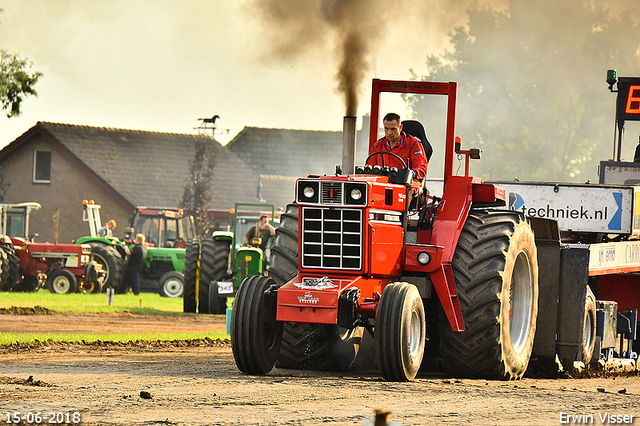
[[405, 146]]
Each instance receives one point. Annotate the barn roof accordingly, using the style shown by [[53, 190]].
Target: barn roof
[[146, 168]]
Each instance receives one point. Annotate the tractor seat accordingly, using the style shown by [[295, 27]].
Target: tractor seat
[[416, 129]]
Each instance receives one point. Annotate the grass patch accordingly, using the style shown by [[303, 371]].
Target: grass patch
[[10, 338], [145, 303]]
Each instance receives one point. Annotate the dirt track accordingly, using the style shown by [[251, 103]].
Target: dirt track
[[198, 385]]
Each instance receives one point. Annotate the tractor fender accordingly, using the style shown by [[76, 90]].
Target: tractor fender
[[222, 235], [86, 240]]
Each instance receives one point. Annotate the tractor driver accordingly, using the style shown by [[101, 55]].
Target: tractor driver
[[407, 147], [262, 230]]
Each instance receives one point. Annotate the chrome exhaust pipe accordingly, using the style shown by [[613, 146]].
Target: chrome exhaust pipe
[[348, 145]]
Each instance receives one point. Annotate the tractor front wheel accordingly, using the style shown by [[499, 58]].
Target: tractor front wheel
[[400, 332], [62, 281], [496, 274], [255, 339], [171, 284]]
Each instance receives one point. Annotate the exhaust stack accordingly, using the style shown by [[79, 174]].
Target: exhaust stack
[[348, 145]]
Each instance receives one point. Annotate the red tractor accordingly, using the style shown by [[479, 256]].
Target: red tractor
[[62, 268], [357, 252]]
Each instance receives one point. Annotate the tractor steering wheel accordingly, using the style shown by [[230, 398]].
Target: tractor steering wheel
[[404, 165]]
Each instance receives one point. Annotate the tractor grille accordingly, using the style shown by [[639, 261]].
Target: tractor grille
[[331, 192], [332, 238]]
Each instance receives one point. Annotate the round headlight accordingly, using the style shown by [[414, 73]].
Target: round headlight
[[308, 192], [423, 258], [356, 194]]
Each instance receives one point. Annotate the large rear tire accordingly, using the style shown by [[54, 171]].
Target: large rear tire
[[307, 346], [112, 265], [319, 346], [4, 271], [496, 273], [255, 341], [13, 276], [214, 262], [283, 264], [400, 332], [191, 258]]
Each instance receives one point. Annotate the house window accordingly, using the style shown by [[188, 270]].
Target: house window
[[42, 166]]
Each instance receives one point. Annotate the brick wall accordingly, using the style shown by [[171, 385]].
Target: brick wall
[[65, 191]]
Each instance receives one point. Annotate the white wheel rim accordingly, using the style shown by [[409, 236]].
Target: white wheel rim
[[105, 266], [415, 333], [61, 285], [173, 287], [588, 330], [520, 301]]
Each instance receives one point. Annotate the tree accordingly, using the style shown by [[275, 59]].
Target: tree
[[15, 82], [197, 194], [532, 92]]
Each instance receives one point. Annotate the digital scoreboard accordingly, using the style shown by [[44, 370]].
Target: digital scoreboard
[[629, 98]]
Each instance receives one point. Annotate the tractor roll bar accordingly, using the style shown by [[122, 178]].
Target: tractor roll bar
[[449, 89]]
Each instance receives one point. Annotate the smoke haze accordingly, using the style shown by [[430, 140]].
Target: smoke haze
[[159, 64], [352, 26]]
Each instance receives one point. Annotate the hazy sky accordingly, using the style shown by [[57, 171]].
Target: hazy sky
[[160, 65]]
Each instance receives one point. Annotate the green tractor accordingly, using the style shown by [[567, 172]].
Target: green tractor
[[167, 232], [215, 266]]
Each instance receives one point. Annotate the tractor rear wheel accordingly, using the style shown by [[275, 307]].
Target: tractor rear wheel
[[89, 287], [5, 268], [400, 332], [214, 263], [112, 265], [589, 331], [191, 257], [13, 276], [62, 281], [283, 264], [171, 284], [319, 346], [255, 341], [307, 346], [496, 274]]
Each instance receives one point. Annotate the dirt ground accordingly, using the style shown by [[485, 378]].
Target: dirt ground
[[197, 383]]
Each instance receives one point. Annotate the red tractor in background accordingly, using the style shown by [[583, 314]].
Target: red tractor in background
[[28, 266], [356, 252]]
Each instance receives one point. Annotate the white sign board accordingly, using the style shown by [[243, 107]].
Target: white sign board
[[620, 257], [577, 207], [619, 173]]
